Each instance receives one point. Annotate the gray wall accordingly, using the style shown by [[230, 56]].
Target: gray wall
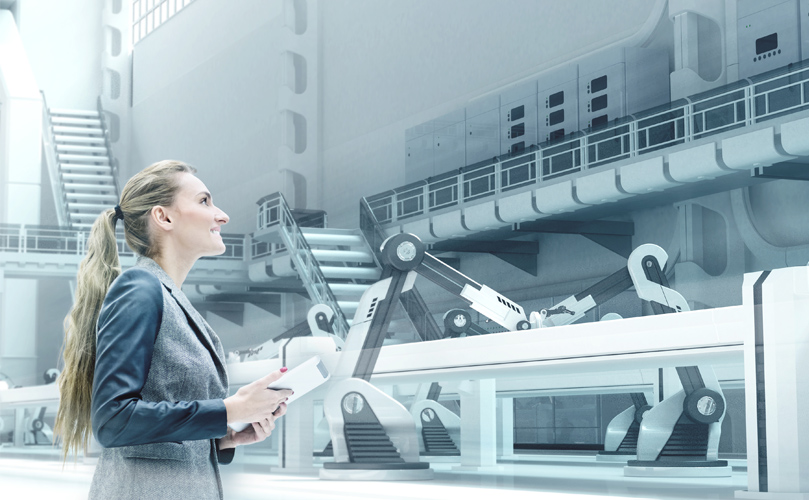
[[205, 88]]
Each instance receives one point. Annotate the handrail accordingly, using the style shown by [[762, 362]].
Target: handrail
[[49, 149], [22, 238], [372, 230], [749, 101], [108, 145], [273, 210]]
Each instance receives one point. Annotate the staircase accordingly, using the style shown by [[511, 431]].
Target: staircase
[[346, 262], [368, 443], [336, 266], [82, 171], [437, 441]]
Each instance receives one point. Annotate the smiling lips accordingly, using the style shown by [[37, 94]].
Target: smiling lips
[[215, 231]]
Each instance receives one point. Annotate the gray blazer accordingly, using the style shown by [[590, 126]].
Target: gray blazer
[[158, 393]]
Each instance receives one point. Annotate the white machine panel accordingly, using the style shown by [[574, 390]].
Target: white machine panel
[[518, 117], [767, 38]]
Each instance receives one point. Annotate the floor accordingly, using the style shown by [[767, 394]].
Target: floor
[[34, 473]]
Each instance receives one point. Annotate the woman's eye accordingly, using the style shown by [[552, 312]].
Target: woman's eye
[[205, 201]]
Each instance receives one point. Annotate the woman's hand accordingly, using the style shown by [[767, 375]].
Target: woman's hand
[[254, 402], [257, 432]]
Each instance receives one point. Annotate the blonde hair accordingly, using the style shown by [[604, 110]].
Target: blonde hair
[[155, 185]]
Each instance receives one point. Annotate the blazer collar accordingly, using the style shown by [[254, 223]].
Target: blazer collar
[[197, 322]]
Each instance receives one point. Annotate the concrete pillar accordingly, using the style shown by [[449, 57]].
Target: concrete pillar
[[505, 427], [295, 434], [296, 438], [20, 186], [478, 424], [776, 383]]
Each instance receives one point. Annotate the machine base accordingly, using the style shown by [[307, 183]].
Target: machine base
[[769, 495], [650, 468], [336, 471]]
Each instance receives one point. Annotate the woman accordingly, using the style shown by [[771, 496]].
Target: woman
[[143, 367]]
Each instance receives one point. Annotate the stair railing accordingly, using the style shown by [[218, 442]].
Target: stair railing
[[274, 210], [49, 150], [108, 145]]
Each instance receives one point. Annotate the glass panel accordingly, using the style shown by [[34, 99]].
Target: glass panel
[[598, 84], [556, 99]]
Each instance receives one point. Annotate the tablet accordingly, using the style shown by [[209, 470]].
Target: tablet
[[303, 378]]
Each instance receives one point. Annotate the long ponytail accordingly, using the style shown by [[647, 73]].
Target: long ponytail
[[153, 186], [97, 271]]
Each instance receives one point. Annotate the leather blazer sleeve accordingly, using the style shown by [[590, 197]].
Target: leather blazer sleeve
[[127, 328]]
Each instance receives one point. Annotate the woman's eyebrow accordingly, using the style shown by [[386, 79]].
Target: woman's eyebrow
[[206, 193]]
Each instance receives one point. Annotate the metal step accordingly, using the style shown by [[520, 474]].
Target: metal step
[[76, 122], [334, 237], [89, 187], [83, 159], [348, 307], [88, 218], [64, 129], [342, 256], [364, 273], [74, 113], [342, 289], [79, 168], [79, 149], [98, 198], [77, 139], [96, 208], [70, 177]]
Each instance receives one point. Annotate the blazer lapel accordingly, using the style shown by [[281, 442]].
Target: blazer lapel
[[196, 321]]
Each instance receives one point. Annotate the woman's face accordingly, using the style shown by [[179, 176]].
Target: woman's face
[[195, 219]]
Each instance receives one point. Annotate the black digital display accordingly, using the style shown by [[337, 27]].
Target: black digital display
[[556, 134], [599, 121], [517, 130], [767, 43], [598, 84], [598, 103], [556, 99], [517, 113], [556, 117]]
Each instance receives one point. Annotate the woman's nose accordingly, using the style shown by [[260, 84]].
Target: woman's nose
[[222, 218]]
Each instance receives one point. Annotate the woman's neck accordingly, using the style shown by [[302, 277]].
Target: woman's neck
[[176, 267]]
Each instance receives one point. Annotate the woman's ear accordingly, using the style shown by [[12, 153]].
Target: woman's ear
[[161, 219]]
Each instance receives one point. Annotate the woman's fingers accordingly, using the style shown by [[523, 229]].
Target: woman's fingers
[[282, 409]]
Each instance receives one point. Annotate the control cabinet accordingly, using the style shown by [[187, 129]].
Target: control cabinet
[[449, 142], [518, 117], [558, 103], [769, 34], [419, 146], [483, 129], [619, 82]]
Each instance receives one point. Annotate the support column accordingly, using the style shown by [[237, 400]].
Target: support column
[[505, 427], [295, 435], [20, 191], [776, 305], [478, 425], [296, 438]]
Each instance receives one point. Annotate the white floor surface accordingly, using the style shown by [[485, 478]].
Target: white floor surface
[[34, 474]]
